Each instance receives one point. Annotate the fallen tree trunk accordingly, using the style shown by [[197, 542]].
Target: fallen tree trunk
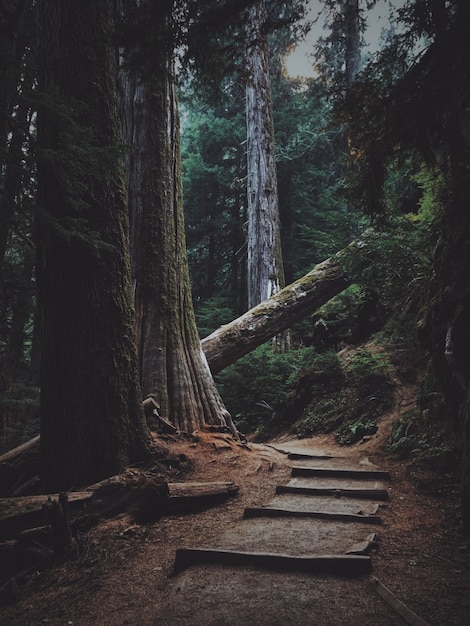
[[232, 341], [19, 468], [145, 499]]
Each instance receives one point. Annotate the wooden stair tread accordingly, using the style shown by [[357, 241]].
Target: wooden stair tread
[[364, 474], [343, 564], [268, 511], [366, 494]]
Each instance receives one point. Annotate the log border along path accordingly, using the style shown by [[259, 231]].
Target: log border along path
[[317, 526]]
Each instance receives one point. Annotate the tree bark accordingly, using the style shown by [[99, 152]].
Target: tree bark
[[173, 368], [265, 266], [232, 341], [92, 422], [352, 31]]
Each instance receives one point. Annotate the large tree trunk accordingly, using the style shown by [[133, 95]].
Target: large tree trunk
[[232, 341], [173, 368], [92, 422], [265, 267], [448, 327]]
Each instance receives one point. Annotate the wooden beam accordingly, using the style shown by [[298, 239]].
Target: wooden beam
[[325, 472], [397, 605], [341, 565], [326, 515], [366, 494]]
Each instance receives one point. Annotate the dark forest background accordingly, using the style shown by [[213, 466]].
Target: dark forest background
[[383, 145]]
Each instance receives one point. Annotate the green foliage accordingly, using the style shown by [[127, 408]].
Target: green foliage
[[367, 367], [212, 162], [396, 265], [424, 434], [357, 395], [212, 313], [324, 417], [316, 393], [255, 388], [431, 182], [341, 319], [309, 168]]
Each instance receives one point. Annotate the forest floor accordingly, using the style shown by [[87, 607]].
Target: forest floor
[[124, 572]]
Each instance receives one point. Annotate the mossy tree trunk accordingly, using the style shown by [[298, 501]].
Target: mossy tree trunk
[[172, 365], [92, 422], [448, 321], [230, 342]]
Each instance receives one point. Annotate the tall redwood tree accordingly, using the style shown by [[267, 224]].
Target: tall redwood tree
[[172, 365]]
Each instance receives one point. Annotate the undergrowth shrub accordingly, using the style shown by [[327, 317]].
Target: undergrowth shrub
[[351, 407], [212, 313], [255, 387]]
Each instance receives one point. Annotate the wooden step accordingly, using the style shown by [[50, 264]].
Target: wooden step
[[366, 494], [297, 456], [340, 473], [326, 515], [341, 565]]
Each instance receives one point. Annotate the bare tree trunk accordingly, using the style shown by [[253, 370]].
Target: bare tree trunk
[[265, 267], [173, 368]]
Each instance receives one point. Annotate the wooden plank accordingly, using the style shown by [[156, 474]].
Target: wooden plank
[[326, 515], [328, 472], [365, 494], [297, 456], [397, 605], [341, 565]]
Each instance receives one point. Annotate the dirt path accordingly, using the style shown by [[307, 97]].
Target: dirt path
[[124, 574], [309, 545]]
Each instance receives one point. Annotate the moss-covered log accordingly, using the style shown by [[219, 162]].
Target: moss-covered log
[[232, 341]]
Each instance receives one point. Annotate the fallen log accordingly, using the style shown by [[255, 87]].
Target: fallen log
[[144, 499], [190, 497], [19, 467], [25, 512], [230, 342]]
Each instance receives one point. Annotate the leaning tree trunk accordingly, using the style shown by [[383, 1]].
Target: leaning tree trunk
[[173, 368], [232, 341], [92, 422], [265, 267]]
